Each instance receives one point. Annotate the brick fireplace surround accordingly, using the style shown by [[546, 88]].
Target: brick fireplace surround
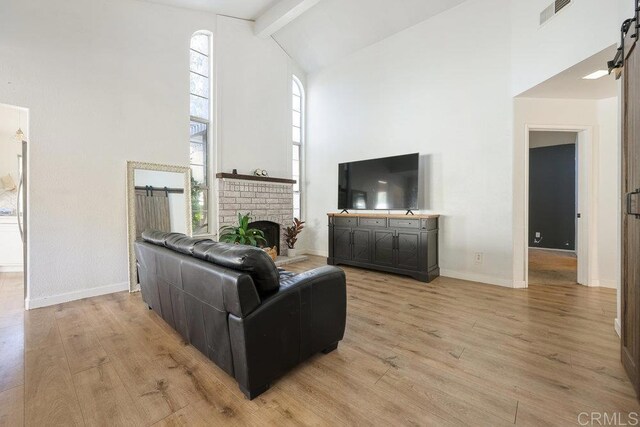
[[265, 201]]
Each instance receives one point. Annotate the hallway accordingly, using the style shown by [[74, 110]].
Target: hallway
[[551, 267]]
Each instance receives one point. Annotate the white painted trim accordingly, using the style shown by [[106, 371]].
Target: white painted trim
[[587, 258], [610, 284], [315, 252], [519, 284], [11, 268], [477, 277], [75, 295], [616, 326]]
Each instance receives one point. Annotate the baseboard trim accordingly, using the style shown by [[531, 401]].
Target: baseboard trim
[[519, 284], [11, 268], [607, 284], [315, 252], [616, 325], [475, 277], [75, 295]]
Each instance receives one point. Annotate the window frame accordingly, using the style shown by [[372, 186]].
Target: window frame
[[207, 144], [301, 150]]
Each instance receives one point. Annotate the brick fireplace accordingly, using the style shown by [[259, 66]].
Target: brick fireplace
[[264, 200]]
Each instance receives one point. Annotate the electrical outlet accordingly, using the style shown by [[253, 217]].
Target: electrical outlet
[[478, 257]]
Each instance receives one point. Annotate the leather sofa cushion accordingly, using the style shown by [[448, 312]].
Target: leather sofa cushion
[[254, 261], [183, 244], [157, 237]]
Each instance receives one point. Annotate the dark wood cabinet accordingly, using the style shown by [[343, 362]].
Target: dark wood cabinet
[[394, 243]]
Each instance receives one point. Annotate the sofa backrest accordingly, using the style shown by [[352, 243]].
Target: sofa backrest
[[195, 297], [249, 259]]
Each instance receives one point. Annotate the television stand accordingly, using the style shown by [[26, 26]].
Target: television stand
[[409, 212], [395, 243], [344, 211]]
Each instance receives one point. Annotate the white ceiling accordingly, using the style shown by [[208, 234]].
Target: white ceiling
[[333, 29], [570, 83], [245, 9]]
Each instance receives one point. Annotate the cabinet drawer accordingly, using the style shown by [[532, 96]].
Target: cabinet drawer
[[404, 223], [429, 223], [373, 222], [345, 221]]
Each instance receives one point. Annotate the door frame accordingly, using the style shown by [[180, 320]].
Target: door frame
[[586, 172]]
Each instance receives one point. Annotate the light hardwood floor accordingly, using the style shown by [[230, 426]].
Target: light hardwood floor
[[446, 353], [549, 267]]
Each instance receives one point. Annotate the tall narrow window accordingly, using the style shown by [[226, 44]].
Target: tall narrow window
[[200, 105], [298, 139]]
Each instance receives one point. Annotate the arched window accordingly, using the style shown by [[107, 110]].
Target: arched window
[[200, 129], [297, 98]]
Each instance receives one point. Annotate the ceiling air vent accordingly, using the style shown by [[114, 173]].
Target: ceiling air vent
[[551, 11]]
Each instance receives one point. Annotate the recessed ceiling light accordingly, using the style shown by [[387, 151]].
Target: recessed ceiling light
[[596, 75]]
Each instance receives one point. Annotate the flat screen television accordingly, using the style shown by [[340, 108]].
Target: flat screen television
[[386, 183]]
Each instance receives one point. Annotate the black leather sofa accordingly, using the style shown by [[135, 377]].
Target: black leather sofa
[[253, 320]]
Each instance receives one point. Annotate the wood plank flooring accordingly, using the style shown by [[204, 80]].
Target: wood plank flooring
[[549, 267], [446, 353]]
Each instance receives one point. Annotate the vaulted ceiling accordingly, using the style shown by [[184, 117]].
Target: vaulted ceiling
[[245, 9], [569, 84], [327, 30], [334, 29]]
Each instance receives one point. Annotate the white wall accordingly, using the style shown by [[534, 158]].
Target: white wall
[[254, 106], [580, 30], [602, 116], [414, 92], [106, 81]]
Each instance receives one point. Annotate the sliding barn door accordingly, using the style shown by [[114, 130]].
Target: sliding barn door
[[630, 322]]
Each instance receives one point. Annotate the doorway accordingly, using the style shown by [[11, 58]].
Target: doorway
[[558, 249], [14, 131], [553, 209]]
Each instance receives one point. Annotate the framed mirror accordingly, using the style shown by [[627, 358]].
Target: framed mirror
[[158, 198]]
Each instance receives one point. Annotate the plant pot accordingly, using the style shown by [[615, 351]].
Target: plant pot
[[292, 252]]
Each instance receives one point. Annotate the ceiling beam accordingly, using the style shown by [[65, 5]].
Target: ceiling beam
[[280, 15]]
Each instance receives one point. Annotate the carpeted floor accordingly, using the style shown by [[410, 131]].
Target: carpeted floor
[[552, 267]]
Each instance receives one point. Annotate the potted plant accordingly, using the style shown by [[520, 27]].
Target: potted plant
[[242, 234], [291, 236]]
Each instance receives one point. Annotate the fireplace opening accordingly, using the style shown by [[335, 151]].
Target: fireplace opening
[[271, 232]]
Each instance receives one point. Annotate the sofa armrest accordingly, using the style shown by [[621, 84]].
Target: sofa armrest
[[305, 316]]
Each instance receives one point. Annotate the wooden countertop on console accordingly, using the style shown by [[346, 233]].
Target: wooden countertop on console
[[382, 215]]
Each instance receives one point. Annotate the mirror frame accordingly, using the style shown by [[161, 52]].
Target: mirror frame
[[131, 207]]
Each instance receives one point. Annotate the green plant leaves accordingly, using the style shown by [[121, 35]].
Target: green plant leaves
[[242, 234]]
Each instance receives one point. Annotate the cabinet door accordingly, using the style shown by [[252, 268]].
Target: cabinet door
[[383, 253], [408, 250], [361, 245], [342, 243]]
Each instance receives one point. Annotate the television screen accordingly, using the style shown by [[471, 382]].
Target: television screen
[[387, 183]]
